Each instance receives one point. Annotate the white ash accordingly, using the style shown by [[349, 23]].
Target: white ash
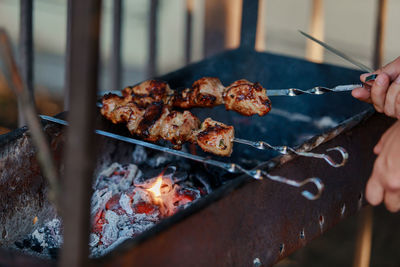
[[49, 235], [121, 208], [125, 202]]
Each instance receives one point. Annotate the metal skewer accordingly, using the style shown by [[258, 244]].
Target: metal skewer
[[286, 150], [262, 145], [343, 55], [319, 90], [230, 167]]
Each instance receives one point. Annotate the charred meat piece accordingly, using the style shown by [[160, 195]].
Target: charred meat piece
[[110, 103], [247, 98], [151, 122], [205, 92], [148, 92], [179, 127], [216, 137]]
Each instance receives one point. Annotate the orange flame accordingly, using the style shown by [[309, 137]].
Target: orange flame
[[155, 189]]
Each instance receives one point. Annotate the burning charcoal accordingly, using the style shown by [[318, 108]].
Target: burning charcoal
[[109, 235], [131, 173], [99, 200], [139, 155], [110, 230], [125, 203], [93, 240], [107, 172]]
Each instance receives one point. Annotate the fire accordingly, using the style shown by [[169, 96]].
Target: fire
[[155, 189]]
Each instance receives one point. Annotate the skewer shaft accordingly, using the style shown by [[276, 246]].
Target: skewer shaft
[[230, 167]]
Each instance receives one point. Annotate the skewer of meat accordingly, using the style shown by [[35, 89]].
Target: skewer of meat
[[242, 96], [157, 121]]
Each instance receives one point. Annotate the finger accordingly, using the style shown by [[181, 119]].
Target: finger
[[392, 69], [382, 140], [378, 147], [378, 91], [397, 106], [362, 94], [391, 95], [392, 201], [374, 191]]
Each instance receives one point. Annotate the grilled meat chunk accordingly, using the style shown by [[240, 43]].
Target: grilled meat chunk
[[148, 92], [179, 127], [216, 137], [247, 98], [205, 92], [110, 103], [150, 124]]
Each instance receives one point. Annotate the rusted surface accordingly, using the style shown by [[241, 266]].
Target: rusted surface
[[263, 219], [22, 187]]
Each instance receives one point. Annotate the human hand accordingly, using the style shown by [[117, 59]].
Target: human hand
[[384, 183], [384, 92]]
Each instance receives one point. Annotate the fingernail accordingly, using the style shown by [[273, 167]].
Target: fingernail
[[380, 80], [364, 75]]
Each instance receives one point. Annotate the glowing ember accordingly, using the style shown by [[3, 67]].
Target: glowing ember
[[124, 204]]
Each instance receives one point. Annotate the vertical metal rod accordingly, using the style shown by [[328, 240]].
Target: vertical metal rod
[[188, 33], [80, 144], [380, 34], [67, 56], [315, 52], [26, 49], [116, 65], [152, 64], [233, 23], [260, 34], [249, 24], [362, 253]]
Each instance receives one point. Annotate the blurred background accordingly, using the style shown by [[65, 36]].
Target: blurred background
[[155, 47]]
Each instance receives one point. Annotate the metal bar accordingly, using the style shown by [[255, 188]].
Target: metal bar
[[79, 151], [249, 24], [380, 34], [314, 52], [233, 19], [26, 50], [215, 26], [19, 86], [260, 34], [67, 56], [116, 64], [338, 53], [362, 253], [188, 33], [152, 64]]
